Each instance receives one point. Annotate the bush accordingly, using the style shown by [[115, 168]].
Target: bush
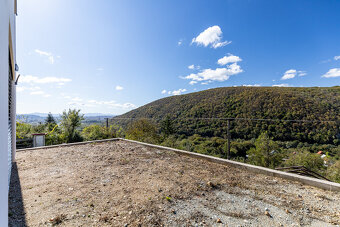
[[143, 130], [304, 158], [333, 172], [94, 132]]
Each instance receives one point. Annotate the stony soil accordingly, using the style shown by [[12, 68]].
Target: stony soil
[[124, 184]]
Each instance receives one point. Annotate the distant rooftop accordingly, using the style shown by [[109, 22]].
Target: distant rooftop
[[120, 183]]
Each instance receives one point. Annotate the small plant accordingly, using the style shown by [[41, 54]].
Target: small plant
[[168, 198]]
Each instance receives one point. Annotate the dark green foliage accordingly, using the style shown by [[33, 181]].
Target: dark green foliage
[[245, 102], [167, 127], [50, 119], [265, 153]]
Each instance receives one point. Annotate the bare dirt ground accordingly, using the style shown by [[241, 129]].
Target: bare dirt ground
[[124, 184]]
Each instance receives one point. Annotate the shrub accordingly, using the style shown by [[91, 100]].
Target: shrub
[[333, 172], [143, 130], [304, 158]]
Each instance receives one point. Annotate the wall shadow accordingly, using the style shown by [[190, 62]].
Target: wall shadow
[[16, 211]]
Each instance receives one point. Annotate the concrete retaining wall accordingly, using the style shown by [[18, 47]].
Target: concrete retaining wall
[[331, 186]]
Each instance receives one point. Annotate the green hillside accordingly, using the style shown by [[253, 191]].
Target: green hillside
[[312, 104]]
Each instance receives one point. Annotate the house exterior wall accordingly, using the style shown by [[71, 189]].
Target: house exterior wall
[[7, 22]]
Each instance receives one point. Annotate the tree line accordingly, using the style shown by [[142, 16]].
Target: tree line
[[263, 150]]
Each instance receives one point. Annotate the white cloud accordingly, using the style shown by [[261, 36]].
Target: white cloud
[[119, 88], [41, 93], [111, 104], [332, 73], [218, 74], [280, 85], [336, 58], [191, 67], [220, 44], [37, 92], [211, 36], [291, 73], [194, 67], [100, 69], [177, 92], [77, 99], [251, 85], [42, 80], [302, 73], [192, 82], [23, 88], [49, 56], [164, 92], [229, 59], [180, 42]]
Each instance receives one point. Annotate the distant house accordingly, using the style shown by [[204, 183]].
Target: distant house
[[7, 100]]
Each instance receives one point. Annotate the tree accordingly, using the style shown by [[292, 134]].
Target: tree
[[304, 158], [143, 130], [266, 152], [167, 127], [50, 119], [50, 122], [70, 121]]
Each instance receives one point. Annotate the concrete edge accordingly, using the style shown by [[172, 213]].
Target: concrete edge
[[326, 185], [68, 144]]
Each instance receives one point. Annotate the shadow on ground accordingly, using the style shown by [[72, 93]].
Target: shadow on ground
[[16, 212]]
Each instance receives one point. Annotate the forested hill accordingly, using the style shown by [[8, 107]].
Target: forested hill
[[251, 102]]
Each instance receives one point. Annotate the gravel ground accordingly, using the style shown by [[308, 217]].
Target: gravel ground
[[124, 184]]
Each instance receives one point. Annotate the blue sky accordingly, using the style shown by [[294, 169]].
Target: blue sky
[[112, 56]]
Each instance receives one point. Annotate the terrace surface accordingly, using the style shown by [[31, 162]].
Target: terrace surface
[[120, 183]]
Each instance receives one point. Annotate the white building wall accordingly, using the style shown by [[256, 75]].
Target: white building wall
[[6, 17]]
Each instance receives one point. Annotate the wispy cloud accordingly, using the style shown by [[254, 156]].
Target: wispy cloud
[[111, 104], [332, 73], [210, 37], [251, 85], [229, 59], [175, 92], [49, 55], [280, 85], [192, 67], [43, 80], [180, 42], [41, 93], [336, 58], [119, 88]]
